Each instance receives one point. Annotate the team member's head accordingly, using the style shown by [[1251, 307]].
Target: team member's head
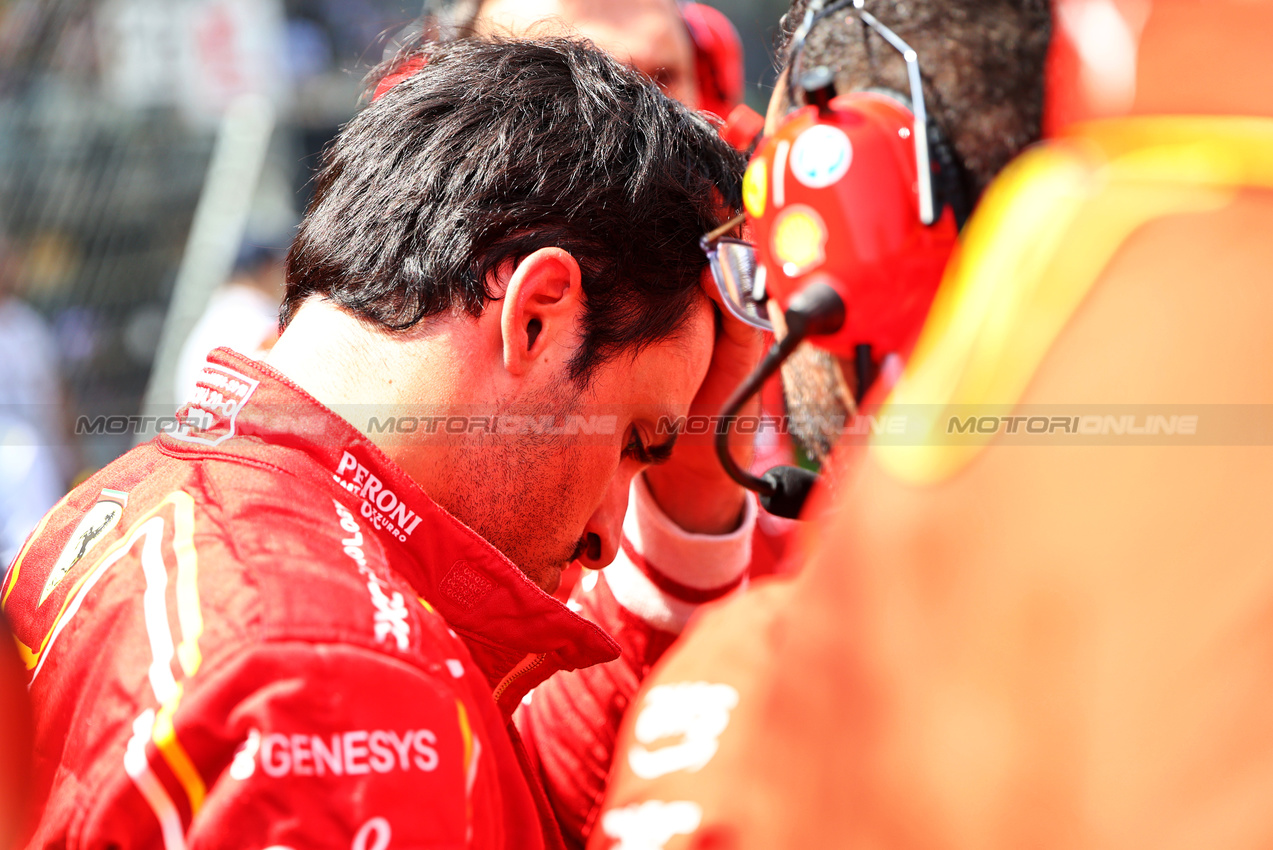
[[691, 51], [649, 35], [982, 65], [513, 231]]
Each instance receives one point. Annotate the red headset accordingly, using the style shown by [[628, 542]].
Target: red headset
[[854, 204], [857, 192]]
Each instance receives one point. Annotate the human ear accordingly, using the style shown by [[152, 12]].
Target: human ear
[[542, 305]]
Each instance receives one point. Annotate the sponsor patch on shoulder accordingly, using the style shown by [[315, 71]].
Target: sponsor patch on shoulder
[[93, 528], [390, 619], [380, 506], [352, 753], [679, 727], [209, 417], [652, 824]]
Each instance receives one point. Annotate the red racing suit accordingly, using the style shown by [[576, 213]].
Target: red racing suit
[[660, 579], [257, 631]]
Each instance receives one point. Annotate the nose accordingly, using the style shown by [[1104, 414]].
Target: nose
[[604, 528]]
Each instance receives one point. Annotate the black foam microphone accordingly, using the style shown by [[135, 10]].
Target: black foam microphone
[[815, 310], [791, 486]]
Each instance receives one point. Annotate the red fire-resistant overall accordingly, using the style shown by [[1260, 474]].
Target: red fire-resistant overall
[[256, 631]]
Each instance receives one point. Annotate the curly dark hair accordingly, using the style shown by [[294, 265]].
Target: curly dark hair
[[982, 63], [497, 148]]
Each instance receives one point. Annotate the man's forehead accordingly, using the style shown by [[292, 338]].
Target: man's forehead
[[652, 369]]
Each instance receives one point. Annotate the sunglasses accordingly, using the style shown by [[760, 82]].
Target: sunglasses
[[739, 277]]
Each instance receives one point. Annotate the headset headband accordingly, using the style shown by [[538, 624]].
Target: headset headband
[[919, 134]]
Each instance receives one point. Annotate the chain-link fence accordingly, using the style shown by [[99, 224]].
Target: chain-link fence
[[109, 117]]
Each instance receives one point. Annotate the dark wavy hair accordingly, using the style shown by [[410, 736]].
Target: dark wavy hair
[[982, 62], [497, 148]]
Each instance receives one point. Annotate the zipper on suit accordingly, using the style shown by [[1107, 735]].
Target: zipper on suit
[[530, 662]]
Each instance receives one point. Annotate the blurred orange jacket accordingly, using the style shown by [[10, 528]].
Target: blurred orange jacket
[[1016, 636]]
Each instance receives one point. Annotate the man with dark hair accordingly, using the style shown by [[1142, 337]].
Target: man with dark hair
[[322, 594], [690, 533], [661, 577]]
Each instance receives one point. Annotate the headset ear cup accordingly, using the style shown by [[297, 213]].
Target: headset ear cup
[[832, 192], [950, 183], [718, 58]]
